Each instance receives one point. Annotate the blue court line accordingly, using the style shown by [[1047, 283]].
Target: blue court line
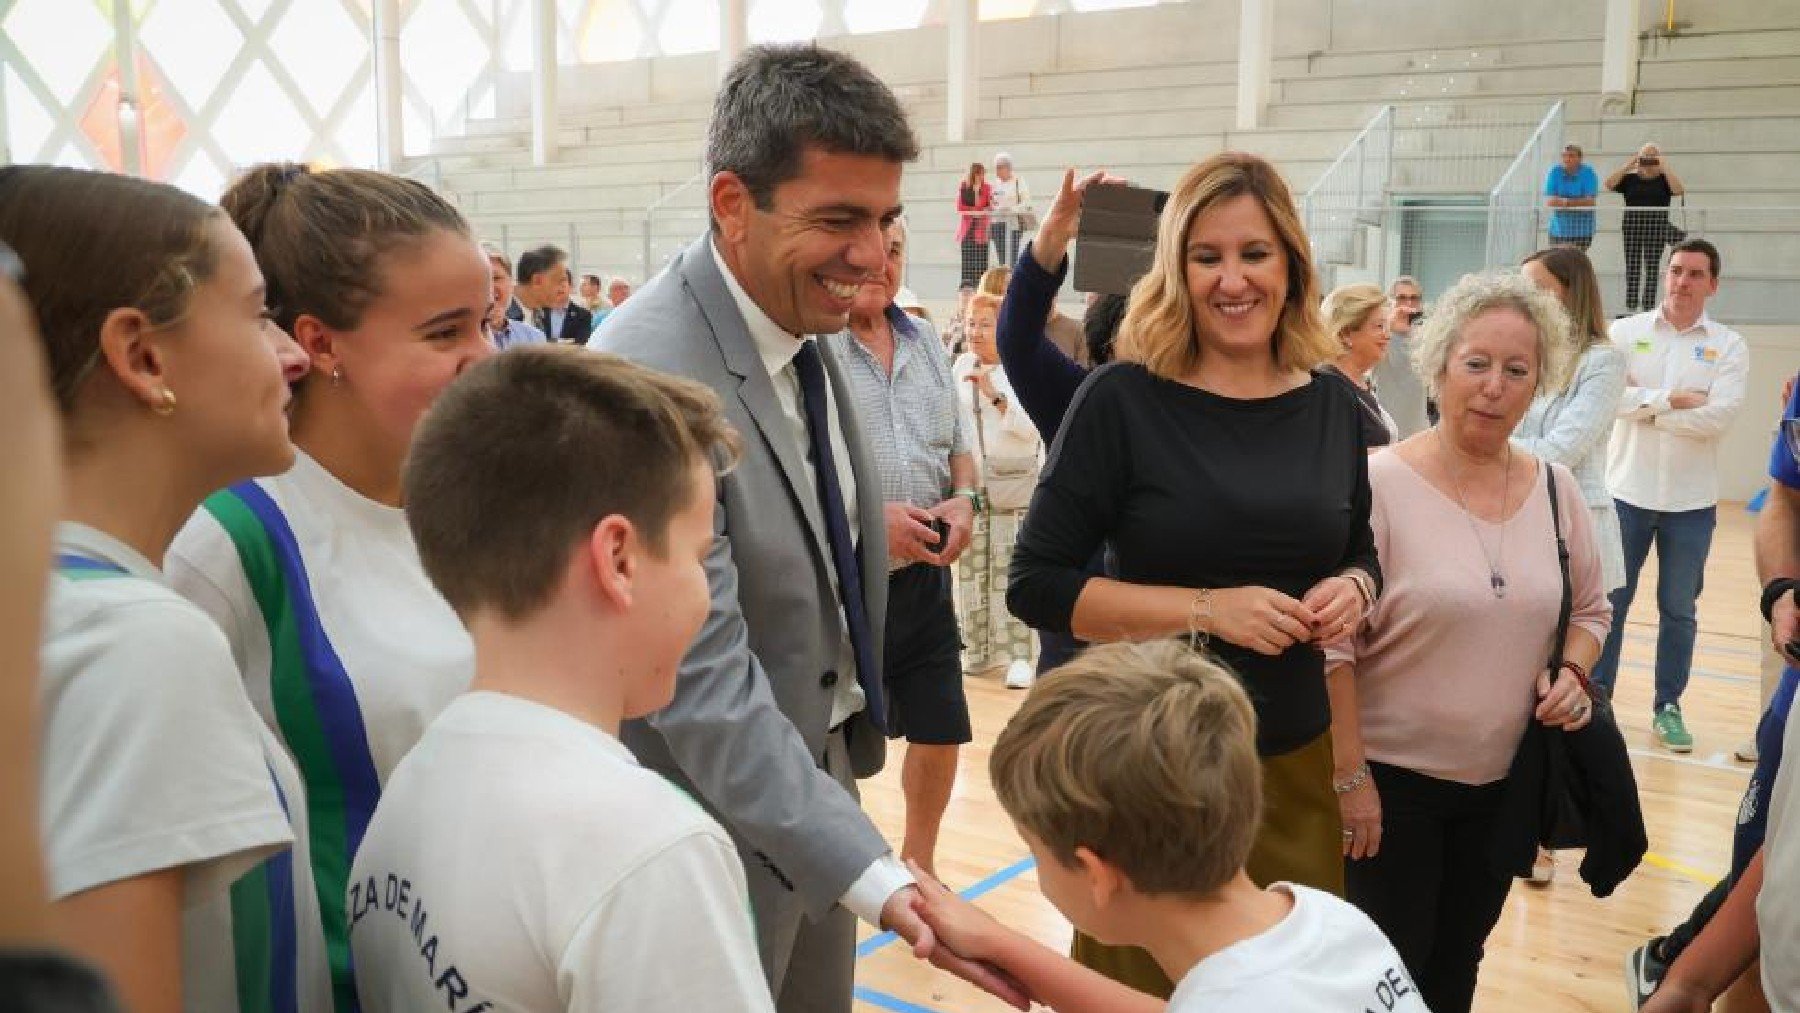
[[890, 1002], [988, 885]]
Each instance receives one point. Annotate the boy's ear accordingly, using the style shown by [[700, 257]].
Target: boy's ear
[[1104, 880], [612, 549]]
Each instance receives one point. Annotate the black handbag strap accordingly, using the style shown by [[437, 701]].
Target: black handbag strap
[[1562, 563]]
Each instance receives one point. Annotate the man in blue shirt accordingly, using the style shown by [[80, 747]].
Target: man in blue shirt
[[1778, 566], [1573, 184]]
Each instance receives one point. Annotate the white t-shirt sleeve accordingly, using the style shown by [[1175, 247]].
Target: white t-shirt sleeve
[[673, 935], [152, 758]]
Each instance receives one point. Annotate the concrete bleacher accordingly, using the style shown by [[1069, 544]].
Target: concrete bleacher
[[1724, 106]]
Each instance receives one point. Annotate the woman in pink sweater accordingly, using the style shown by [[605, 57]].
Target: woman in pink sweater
[[1432, 695]]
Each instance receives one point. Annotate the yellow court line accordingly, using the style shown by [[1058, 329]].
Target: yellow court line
[[1681, 869]]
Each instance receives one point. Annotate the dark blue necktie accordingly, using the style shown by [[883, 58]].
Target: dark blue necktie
[[811, 368]]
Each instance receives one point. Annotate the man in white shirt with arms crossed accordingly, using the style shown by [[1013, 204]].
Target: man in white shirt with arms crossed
[[1684, 385]]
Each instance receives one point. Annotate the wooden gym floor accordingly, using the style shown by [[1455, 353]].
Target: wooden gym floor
[[1557, 947]]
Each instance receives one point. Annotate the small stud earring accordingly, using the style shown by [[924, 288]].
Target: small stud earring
[[166, 403], [337, 375]]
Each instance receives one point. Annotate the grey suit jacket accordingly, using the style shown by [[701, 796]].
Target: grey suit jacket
[[747, 728]]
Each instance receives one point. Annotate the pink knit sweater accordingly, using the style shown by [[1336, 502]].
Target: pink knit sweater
[[1445, 671]]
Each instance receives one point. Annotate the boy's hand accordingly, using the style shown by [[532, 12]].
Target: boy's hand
[[902, 914], [959, 924]]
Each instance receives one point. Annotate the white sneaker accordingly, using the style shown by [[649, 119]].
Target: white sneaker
[[1019, 675], [1543, 868]]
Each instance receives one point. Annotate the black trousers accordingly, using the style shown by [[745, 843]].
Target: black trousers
[[974, 260], [1432, 888], [1644, 237]]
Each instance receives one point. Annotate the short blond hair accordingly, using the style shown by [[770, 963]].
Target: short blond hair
[[994, 281], [1476, 294], [986, 301], [1348, 307], [1159, 329], [1145, 754]]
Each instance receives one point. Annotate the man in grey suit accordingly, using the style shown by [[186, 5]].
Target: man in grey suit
[[780, 706]]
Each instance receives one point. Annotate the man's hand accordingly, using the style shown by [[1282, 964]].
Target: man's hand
[[900, 915], [909, 533], [958, 515], [1784, 625], [1682, 400]]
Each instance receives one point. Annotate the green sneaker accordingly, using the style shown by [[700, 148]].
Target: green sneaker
[[1671, 731]]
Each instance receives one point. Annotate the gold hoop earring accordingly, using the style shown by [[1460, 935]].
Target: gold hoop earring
[[337, 375], [165, 405]]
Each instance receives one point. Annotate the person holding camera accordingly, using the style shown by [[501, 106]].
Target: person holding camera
[[899, 376], [1402, 392], [1648, 185], [1231, 485]]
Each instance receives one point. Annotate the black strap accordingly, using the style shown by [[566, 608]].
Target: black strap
[[1562, 562]]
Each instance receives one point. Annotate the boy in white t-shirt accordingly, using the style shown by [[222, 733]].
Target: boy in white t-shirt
[[520, 859], [1131, 772]]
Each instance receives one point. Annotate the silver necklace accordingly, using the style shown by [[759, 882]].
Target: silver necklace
[[1496, 580]]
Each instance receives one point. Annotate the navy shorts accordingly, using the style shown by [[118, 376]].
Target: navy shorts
[[923, 659]]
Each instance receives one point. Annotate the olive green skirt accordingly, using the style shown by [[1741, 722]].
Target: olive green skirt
[[1301, 841]]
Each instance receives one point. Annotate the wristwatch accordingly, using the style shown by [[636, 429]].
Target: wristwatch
[[974, 496]]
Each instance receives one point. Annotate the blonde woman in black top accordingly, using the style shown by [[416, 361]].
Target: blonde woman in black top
[[1230, 482]]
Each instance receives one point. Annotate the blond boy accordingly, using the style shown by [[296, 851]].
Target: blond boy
[[1131, 773]]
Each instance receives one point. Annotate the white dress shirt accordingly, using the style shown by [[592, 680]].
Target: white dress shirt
[[1665, 458], [777, 349]]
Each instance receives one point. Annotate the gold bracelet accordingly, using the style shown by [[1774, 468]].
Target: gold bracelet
[[1365, 586], [1200, 616]]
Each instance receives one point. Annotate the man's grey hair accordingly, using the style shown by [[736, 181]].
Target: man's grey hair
[[777, 100], [1405, 279]]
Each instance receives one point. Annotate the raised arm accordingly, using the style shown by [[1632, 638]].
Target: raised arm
[[1043, 377]]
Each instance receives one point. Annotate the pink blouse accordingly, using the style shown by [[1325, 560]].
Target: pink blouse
[[1445, 671]]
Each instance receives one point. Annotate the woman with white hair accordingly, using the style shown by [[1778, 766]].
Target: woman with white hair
[[1435, 691], [1012, 208]]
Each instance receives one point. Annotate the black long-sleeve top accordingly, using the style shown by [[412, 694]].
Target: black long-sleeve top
[[1191, 489], [1044, 378]]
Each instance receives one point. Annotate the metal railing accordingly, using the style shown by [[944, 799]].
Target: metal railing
[[648, 263], [1511, 231], [1439, 242], [1351, 192]]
